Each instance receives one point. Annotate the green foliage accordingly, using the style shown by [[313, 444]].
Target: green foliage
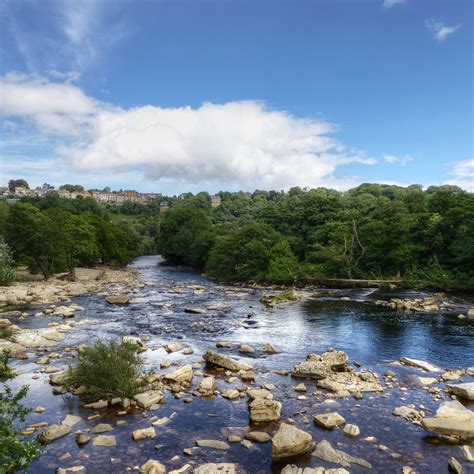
[[6, 372], [283, 266], [107, 368], [7, 264], [15, 453], [72, 188]]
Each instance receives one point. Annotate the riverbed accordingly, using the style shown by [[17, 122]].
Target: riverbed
[[374, 337]]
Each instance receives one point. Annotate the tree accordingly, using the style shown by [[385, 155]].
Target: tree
[[17, 183], [72, 188], [283, 266], [47, 187], [7, 264]]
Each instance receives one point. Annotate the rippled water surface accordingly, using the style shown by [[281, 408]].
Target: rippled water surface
[[371, 335]]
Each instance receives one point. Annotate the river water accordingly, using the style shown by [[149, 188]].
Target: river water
[[373, 336]]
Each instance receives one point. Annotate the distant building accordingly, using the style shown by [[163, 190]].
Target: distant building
[[215, 201], [22, 191], [164, 206]]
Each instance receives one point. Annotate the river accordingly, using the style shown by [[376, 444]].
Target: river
[[373, 336]]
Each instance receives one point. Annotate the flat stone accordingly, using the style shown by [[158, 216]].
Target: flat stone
[[293, 469], [182, 375], [351, 430], [462, 390], [71, 420], [290, 441], [452, 419], [467, 452], [225, 362], [244, 348], [117, 299], [216, 468], [53, 433], [148, 399], [173, 347], [194, 310], [97, 405], [329, 420], [212, 443], [420, 364], [254, 393], [101, 428], [264, 410], [105, 441], [258, 436], [327, 453]]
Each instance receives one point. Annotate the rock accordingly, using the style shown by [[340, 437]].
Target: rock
[[231, 394], [300, 388], [82, 439], [245, 349], [212, 468], [53, 433], [351, 430], [451, 419], [147, 399], [329, 421], [134, 340], [254, 393], [207, 386], [270, 348], [225, 362], [182, 375], [97, 405], [327, 453], [145, 433], [462, 390], [101, 428], [468, 452], [320, 366], [71, 470], [105, 441], [195, 310], [152, 467], [117, 299], [408, 412], [427, 380], [293, 469], [455, 466], [290, 441], [223, 344], [264, 410], [71, 420], [247, 376], [258, 436], [173, 347], [420, 364], [212, 443]]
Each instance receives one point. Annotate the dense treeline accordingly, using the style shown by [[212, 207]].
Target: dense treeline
[[372, 231], [52, 235]]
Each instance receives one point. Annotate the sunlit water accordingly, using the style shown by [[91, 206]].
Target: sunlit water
[[372, 336]]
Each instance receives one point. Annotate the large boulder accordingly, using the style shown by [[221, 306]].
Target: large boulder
[[225, 362], [462, 390], [264, 410], [311, 369], [290, 441], [452, 419], [182, 375], [53, 433]]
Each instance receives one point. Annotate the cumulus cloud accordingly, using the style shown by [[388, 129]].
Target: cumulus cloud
[[392, 3], [439, 29], [398, 160], [462, 174], [241, 144]]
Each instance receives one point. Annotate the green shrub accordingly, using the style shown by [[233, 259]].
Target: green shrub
[[107, 368], [15, 453], [5, 371], [7, 264]]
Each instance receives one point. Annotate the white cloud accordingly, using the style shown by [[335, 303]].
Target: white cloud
[[399, 160], [462, 174], [392, 3], [235, 145], [439, 29]]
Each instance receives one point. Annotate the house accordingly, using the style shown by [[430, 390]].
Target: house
[[216, 201]]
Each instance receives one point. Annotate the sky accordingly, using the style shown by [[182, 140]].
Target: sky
[[190, 95]]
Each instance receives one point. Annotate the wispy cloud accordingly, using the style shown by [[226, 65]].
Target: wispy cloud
[[462, 174], [440, 30], [392, 3], [397, 160], [240, 144]]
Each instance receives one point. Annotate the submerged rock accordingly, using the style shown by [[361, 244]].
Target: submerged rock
[[145, 433], [452, 419], [225, 362], [290, 441], [329, 421], [420, 364], [53, 433], [105, 441], [117, 299], [216, 468], [264, 410], [327, 453], [212, 443]]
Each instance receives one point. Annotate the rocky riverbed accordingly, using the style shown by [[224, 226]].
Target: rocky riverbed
[[339, 382]]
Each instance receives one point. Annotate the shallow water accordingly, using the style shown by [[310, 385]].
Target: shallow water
[[371, 335]]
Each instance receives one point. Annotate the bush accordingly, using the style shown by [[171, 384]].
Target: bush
[[107, 368], [7, 264], [15, 453], [5, 371]]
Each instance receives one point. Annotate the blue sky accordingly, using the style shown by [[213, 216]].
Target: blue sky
[[311, 93]]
